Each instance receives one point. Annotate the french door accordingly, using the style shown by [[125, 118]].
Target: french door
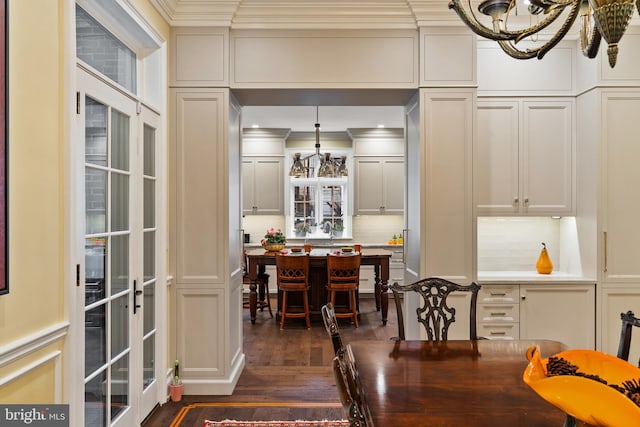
[[119, 345]]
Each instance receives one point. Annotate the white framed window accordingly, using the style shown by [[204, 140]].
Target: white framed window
[[319, 207]]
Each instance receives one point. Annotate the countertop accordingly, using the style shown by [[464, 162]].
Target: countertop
[[525, 277]]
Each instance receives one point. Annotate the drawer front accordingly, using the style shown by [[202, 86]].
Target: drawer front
[[499, 294], [502, 331], [498, 313]]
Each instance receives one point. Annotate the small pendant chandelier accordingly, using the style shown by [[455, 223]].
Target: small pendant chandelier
[[329, 168]]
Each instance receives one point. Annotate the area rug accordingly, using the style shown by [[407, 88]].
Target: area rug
[[206, 412], [233, 423]]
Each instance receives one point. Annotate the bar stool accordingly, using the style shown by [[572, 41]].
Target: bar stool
[[344, 276], [293, 276], [262, 283]]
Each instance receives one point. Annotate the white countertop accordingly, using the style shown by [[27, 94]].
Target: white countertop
[[531, 277]]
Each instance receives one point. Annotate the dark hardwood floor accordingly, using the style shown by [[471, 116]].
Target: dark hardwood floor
[[287, 375]]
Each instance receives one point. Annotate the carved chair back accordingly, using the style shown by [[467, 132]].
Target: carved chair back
[[434, 312], [629, 320], [293, 272]]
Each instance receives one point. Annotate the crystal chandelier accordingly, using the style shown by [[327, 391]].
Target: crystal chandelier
[[329, 168], [606, 19]]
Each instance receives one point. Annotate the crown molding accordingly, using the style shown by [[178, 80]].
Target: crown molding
[[289, 14]]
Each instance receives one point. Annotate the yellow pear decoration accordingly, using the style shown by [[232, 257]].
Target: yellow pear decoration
[[544, 264]]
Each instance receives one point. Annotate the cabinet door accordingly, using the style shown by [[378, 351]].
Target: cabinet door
[[248, 187], [620, 195], [617, 301], [393, 186], [368, 185], [546, 158], [496, 158], [262, 186], [558, 312]]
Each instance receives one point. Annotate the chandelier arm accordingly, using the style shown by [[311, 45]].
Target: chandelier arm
[[498, 33], [590, 36], [573, 13], [475, 25], [539, 52]]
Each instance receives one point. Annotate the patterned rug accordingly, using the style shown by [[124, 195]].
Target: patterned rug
[[202, 414], [232, 423]]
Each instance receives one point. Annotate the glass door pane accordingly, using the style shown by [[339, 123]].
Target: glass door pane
[[107, 263]]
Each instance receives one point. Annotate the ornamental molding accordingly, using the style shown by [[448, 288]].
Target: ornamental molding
[[307, 14]]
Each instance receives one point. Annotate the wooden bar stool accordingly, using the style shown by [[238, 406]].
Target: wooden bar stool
[[293, 276], [262, 283], [344, 276]]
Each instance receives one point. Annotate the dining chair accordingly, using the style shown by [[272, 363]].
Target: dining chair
[[331, 325], [434, 313], [293, 277], [629, 320], [262, 283], [343, 275], [345, 383]]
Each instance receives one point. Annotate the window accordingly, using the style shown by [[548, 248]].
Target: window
[[96, 46], [318, 206]]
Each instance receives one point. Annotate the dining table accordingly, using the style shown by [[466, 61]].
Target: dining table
[[259, 258], [451, 383]]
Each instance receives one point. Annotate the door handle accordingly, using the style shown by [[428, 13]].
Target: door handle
[[136, 293]]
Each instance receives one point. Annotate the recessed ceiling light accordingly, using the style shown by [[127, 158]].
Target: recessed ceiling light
[[380, 126], [255, 126]]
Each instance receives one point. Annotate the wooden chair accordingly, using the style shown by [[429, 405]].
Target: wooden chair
[[629, 320], [345, 383], [262, 283], [293, 276], [331, 325], [343, 275], [434, 313]]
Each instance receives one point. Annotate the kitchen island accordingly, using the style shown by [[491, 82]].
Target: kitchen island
[[258, 259]]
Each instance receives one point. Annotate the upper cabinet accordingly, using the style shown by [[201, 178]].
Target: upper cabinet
[[524, 157], [379, 171], [379, 183], [263, 171], [262, 186]]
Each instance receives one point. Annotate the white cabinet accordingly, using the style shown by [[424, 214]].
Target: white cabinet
[[618, 237], [524, 157], [262, 186], [559, 312], [379, 186]]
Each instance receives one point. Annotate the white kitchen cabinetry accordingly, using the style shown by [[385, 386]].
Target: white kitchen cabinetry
[[263, 186], [524, 157], [560, 312], [618, 238], [379, 186]]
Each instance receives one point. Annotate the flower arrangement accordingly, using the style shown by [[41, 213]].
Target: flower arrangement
[[274, 237]]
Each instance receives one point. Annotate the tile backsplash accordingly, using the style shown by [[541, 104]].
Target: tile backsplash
[[367, 229], [514, 243]]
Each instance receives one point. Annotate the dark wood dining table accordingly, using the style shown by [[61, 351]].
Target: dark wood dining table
[[258, 259], [452, 383]]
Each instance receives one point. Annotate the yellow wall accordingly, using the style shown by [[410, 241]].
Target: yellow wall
[[37, 193]]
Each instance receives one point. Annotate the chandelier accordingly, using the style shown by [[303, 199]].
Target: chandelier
[[329, 167], [606, 19]]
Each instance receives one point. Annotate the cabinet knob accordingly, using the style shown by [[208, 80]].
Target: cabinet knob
[[523, 297], [526, 201]]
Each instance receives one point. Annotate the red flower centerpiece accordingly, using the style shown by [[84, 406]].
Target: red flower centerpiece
[[274, 240]]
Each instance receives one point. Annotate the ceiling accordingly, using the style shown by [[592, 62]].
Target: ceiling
[[337, 110], [331, 118]]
